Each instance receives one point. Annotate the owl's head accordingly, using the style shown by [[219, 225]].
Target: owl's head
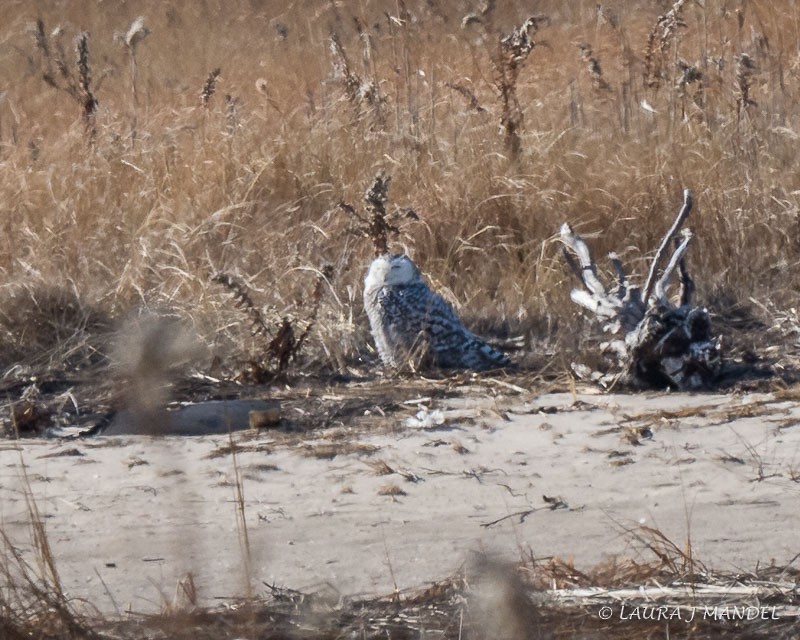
[[387, 270]]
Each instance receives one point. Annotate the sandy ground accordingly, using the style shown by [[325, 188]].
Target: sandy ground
[[402, 500]]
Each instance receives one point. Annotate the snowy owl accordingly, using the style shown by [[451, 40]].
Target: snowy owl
[[408, 319]]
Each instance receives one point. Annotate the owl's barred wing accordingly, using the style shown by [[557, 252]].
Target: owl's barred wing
[[391, 320], [406, 319]]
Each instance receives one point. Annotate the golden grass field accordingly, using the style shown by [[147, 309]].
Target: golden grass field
[[130, 179], [171, 191]]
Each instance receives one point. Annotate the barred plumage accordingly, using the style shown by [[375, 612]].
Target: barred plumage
[[408, 320]]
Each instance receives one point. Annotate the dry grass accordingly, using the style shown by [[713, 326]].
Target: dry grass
[[246, 181]]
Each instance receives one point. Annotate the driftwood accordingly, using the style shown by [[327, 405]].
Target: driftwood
[[657, 343]]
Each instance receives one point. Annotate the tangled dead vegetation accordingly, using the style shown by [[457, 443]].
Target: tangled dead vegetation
[[281, 343], [512, 52], [364, 95], [487, 599], [377, 224], [659, 344], [57, 73]]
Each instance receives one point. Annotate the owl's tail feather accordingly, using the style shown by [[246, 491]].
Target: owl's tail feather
[[480, 356]]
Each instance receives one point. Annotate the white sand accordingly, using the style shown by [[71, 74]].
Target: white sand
[[141, 512]]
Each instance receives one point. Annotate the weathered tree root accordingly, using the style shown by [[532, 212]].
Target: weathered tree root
[[657, 344]]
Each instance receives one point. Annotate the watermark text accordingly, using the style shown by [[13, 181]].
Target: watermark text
[[666, 613]]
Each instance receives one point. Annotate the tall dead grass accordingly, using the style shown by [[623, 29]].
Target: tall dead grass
[[246, 182]]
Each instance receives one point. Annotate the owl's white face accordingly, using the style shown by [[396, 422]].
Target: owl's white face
[[391, 271]]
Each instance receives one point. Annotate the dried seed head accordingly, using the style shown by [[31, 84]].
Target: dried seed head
[[689, 73], [518, 44], [282, 344], [358, 90], [745, 69], [470, 97], [136, 33], [513, 49], [209, 87], [83, 93], [39, 37], [376, 225], [470, 19], [341, 66], [658, 42], [378, 193], [243, 302], [282, 30], [82, 49], [745, 62], [231, 114], [607, 16], [593, 65]]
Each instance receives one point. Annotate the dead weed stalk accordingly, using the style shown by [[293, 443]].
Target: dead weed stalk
[[377, 224], [659, 41], [209, 87], [358, 91], [77, 81], [130, 40], [507, 61], [281, 342]]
